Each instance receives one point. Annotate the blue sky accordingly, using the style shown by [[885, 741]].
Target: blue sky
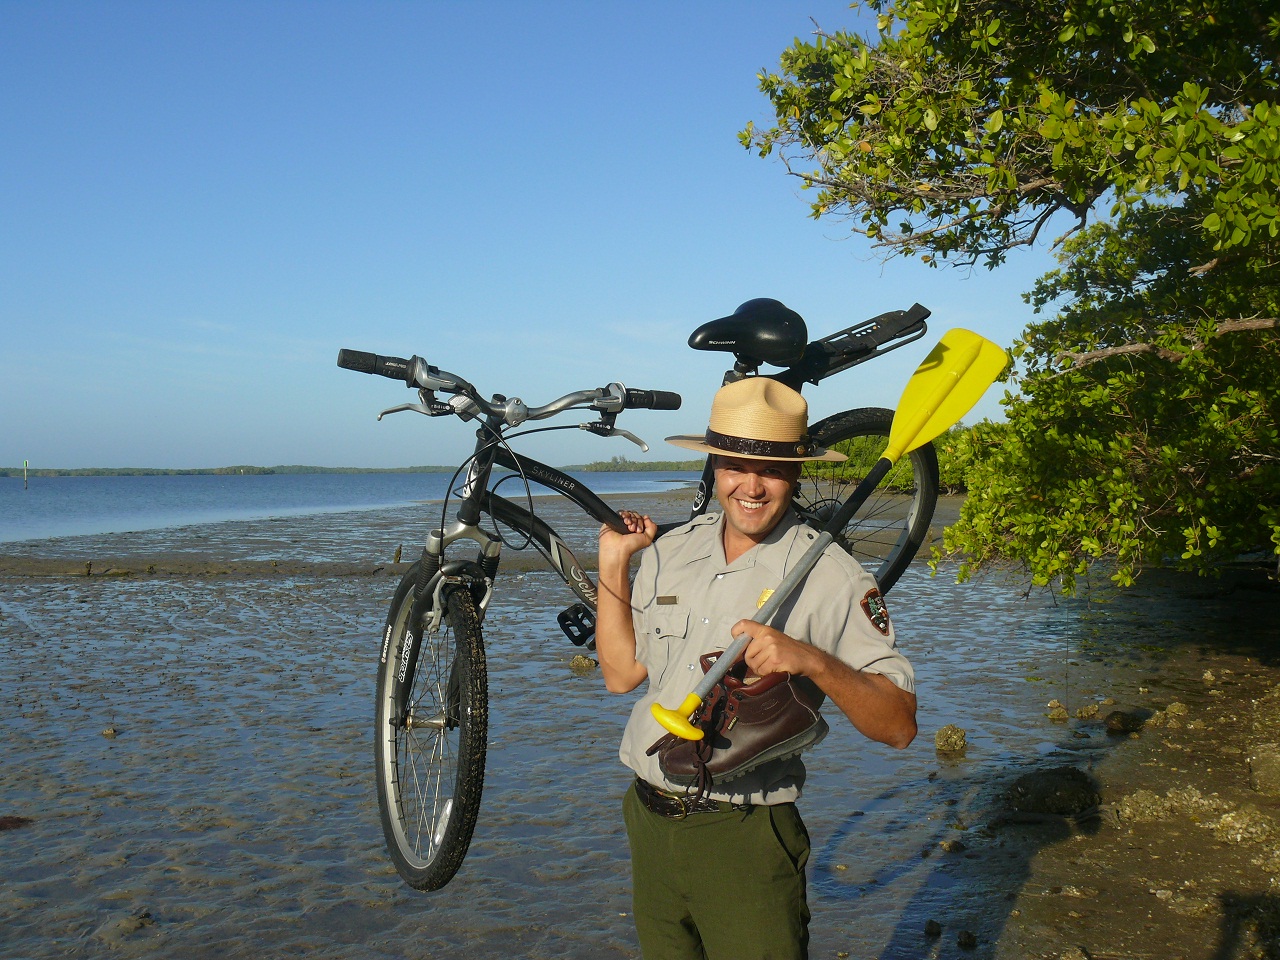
[[200, 203]]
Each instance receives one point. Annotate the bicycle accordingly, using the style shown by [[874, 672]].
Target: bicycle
[[432, 693]]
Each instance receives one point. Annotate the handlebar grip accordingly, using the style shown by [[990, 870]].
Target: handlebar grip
[[653, 399], [393, 368]]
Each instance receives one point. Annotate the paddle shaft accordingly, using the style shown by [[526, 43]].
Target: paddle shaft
[[792, 580]]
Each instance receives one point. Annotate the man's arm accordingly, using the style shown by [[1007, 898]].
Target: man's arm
[[615, 631], [879, 708]]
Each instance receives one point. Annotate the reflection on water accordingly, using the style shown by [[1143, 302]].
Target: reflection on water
[[235, 807]]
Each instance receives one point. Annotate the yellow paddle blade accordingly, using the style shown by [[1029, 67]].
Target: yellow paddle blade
[[952, 378]]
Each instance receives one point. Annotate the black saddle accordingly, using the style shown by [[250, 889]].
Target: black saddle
[[759, 331]]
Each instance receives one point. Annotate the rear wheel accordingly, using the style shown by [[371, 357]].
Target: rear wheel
[[432, 726], [886, 533]]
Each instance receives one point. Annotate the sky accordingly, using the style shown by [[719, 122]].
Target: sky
[[201, 202]]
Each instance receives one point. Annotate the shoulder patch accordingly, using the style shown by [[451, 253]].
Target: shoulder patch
[[873, 606]]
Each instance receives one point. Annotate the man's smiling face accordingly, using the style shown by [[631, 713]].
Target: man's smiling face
[[754, 494]]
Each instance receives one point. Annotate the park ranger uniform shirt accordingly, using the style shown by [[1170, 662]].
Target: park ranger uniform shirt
[[686, 599]]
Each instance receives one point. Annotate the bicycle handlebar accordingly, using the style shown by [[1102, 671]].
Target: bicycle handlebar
[[416, 372]]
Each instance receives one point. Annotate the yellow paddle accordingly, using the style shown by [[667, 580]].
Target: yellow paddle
[[952, 378]]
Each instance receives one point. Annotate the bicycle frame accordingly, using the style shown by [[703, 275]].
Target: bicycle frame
[[478, 500]]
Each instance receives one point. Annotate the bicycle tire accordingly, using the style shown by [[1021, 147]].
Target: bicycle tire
[[430, 756], [889, 529]]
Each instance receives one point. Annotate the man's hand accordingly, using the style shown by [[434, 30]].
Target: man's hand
[[618, 548], [878, 707], [772, 651]]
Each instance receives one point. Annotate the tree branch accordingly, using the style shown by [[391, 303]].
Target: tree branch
[[1085, 357], [1249, 323]]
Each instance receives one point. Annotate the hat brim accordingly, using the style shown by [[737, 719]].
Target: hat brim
[[700, 444]]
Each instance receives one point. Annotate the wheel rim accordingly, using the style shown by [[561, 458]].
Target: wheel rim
[[422, 749]]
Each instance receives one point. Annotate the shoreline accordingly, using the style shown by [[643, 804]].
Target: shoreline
[[1182, 857]]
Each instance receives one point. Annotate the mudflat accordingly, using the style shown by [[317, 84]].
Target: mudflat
[[187, 765]]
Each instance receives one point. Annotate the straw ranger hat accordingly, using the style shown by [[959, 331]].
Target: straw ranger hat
[[760, 419]]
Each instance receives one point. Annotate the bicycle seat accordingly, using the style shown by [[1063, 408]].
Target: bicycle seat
[[759, 331]]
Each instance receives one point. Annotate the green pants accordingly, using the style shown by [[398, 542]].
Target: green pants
[[719, 886]]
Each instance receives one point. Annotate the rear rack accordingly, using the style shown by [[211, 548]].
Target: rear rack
[[856, 344]]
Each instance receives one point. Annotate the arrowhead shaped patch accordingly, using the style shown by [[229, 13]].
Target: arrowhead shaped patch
[[873, 606]]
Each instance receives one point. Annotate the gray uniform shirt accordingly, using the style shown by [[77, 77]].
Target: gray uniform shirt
[[686, 598]]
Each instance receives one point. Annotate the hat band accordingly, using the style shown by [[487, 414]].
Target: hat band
[[766, 449]]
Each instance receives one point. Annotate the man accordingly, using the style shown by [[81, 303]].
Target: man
[[722, 876]]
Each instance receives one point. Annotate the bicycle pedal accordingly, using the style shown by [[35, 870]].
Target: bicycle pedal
[[579, 625]]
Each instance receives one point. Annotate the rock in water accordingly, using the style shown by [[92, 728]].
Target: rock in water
[[950, 739]]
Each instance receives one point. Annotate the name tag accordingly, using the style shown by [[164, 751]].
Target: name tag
[[668, 601]]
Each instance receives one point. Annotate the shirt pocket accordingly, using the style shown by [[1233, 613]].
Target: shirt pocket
[[665, 631]]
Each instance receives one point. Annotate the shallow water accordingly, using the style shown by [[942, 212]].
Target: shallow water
[[233, 814], [47, 507]]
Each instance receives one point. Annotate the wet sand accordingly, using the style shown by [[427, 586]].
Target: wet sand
[[186, 766]]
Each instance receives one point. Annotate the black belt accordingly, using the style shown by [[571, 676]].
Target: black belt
[[677, 806]]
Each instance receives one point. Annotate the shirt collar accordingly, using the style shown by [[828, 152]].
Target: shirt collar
[[771, 553]]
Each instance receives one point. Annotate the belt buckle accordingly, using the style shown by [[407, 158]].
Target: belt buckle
[[679, 799]]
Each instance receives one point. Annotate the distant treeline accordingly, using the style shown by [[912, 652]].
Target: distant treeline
[[246, 470], [616, 465], [623, 465]]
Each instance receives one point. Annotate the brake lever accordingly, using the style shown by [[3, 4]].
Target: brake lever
[[432, 408], [602, 429], [627, 434]]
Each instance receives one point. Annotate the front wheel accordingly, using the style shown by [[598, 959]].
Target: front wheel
[[432, 726], [890, 527]]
